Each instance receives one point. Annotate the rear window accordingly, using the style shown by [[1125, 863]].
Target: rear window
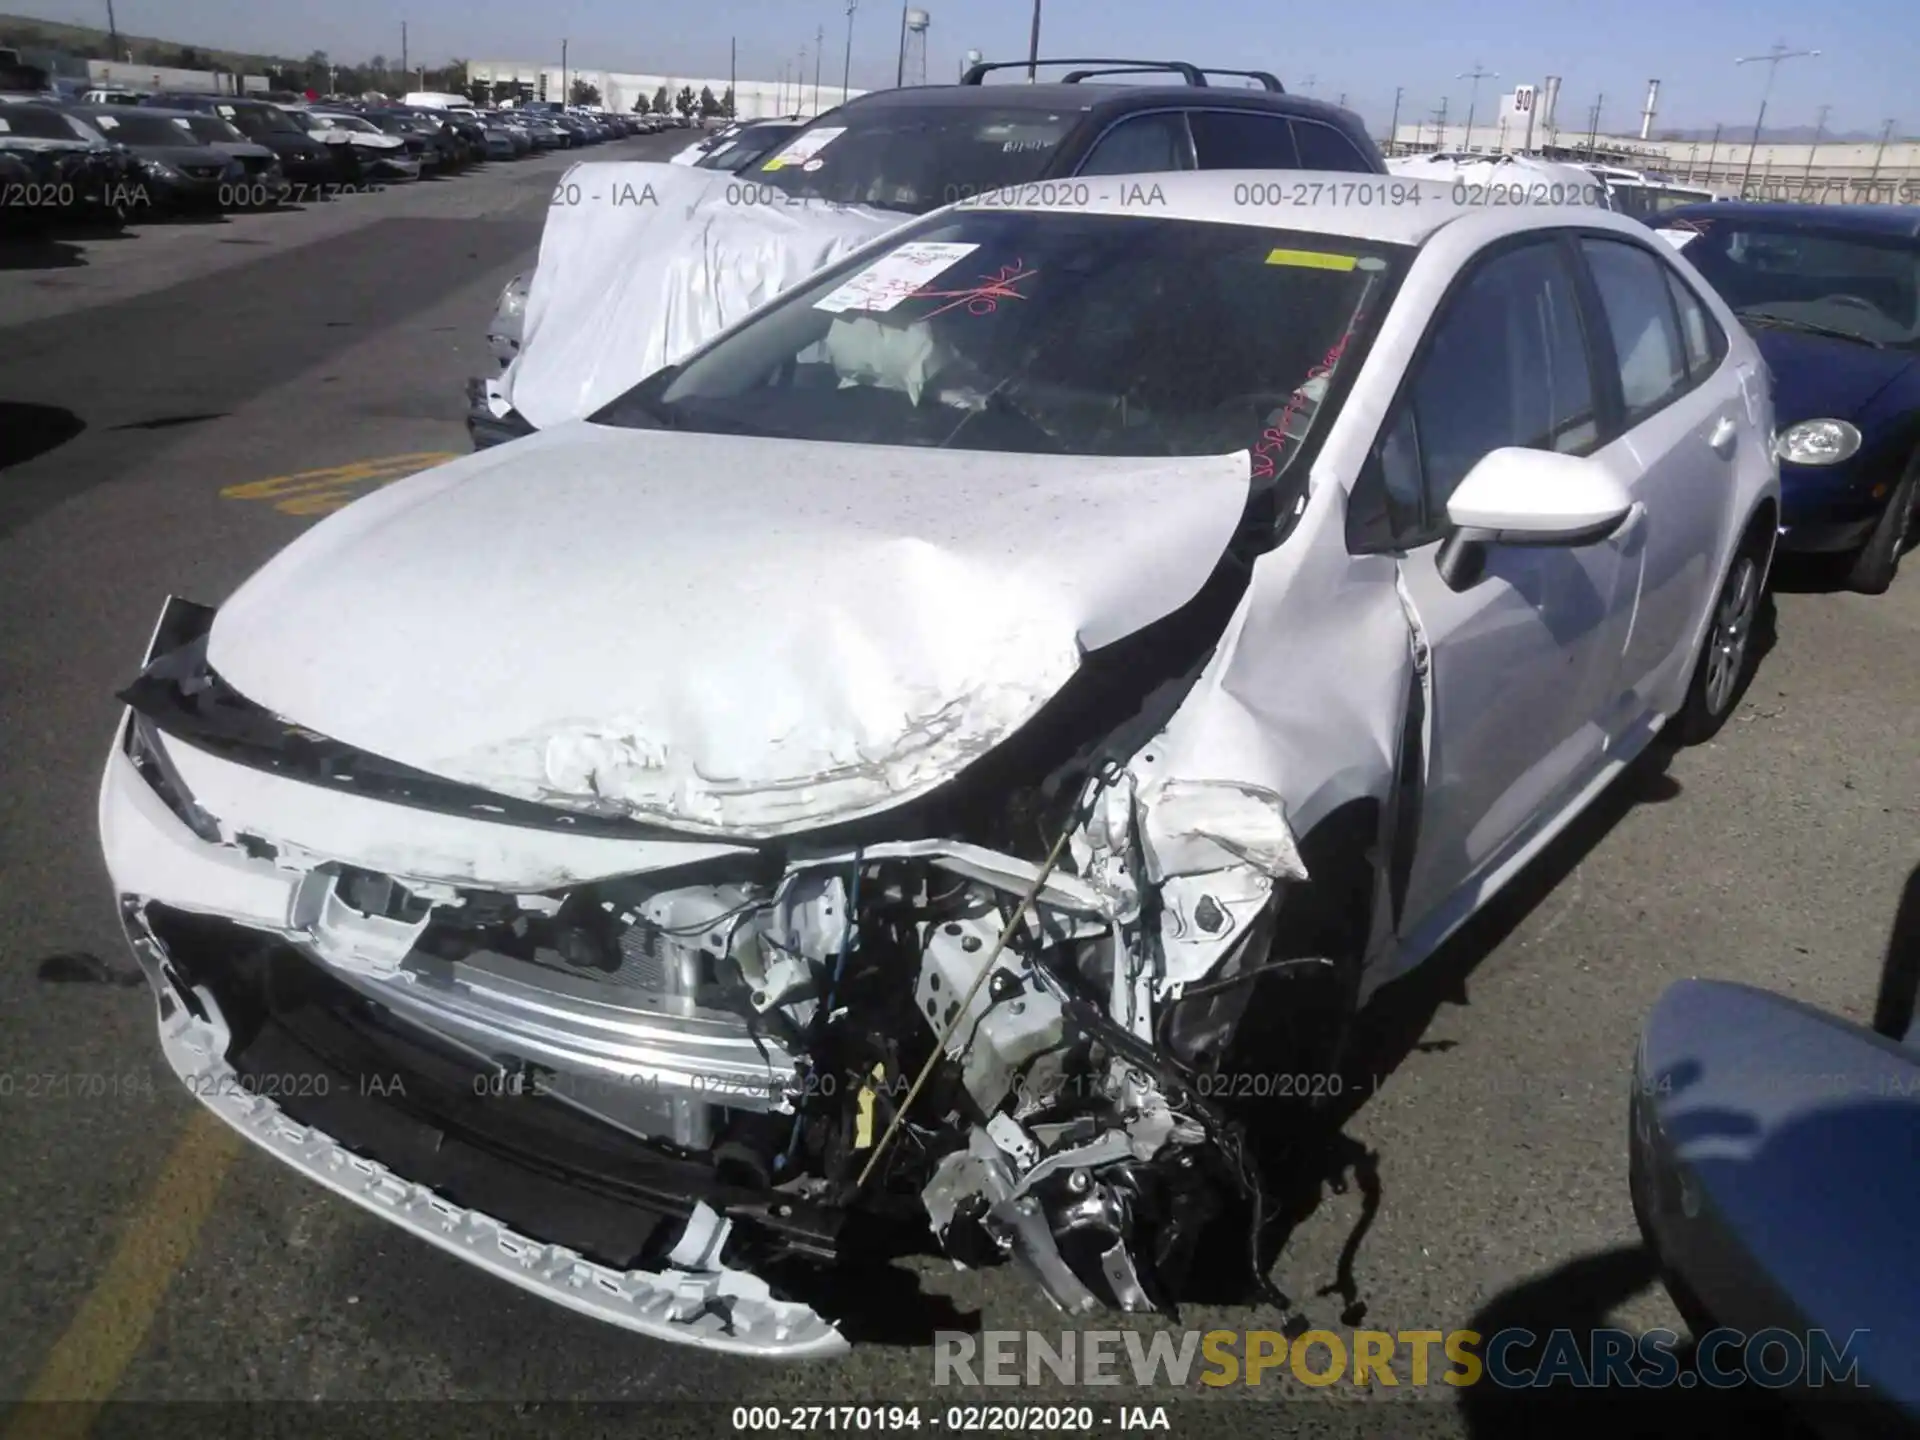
[[897, 158]]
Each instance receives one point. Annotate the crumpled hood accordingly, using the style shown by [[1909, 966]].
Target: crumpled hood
[[723, 634], [1817, 378], [641, 262]]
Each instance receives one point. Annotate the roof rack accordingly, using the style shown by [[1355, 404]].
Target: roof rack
[[1191, 74], [1268, 80]]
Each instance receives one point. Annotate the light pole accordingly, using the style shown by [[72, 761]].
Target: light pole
[[1886, 134], [1033, 45], [1819, 124], [900, 70], [1476, 75], [819, 44], [846, 68], [113, 33], [1393, 125], [1772, 59], [566, 96]]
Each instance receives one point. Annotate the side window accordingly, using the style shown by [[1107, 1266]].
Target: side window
[[1324, 148], [1145, 144], [1243, 140], [1505, 365], [1646, 338], [1705, 341]]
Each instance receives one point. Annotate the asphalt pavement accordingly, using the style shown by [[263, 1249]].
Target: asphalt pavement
[[179, 403]]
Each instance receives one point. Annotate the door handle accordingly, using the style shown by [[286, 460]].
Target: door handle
[[1726, 435]]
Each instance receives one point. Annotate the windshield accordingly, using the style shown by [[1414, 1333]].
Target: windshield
[[900, 158], [145, 129], [736, 154], [350, 122], [258, 120], [35, 124], [210, 130], [1053, 333], [1860, 287]]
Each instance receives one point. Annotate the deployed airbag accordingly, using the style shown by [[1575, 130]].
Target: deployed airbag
[[641, 262]]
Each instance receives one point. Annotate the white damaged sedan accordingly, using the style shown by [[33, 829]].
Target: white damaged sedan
[[896, 770]]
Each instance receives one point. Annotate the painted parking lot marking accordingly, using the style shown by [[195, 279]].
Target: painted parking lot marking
[[318, 492], [85, 1365]]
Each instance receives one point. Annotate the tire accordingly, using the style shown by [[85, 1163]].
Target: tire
[[1873, 568], [1726, 658]]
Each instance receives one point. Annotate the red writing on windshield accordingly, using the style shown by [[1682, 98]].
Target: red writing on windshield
[[1275, 436], [981, 299]]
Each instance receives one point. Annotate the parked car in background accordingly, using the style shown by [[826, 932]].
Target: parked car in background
[[752, 142], [304, 160], [1507, 178], [504, 142], [1183, 600], [179, 170], [380, 156], [112, 97], [1646, 195], [74, 171], [1832, 295], [707, 144], [449, 153], [424, 145]]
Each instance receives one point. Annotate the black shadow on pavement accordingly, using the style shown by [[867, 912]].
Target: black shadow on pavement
[[27, 431]]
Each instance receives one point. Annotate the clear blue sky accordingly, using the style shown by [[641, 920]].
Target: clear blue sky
[[1869, 71]]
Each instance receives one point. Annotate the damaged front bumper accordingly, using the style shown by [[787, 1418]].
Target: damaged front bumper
[[636, 1072]]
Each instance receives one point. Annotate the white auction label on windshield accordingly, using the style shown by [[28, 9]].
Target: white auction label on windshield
[[1678, 239], [805, 148], [888, 281]]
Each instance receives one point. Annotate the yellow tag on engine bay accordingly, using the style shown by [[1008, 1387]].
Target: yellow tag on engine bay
[[1312, 259], [863, 1115]]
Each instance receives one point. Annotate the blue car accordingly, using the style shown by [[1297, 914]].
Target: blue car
[[1832, 295]]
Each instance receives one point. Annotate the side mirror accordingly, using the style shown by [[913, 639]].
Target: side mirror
[[1515, 496]]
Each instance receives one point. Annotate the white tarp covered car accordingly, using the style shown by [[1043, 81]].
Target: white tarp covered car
[[1506, 179], [899, 768]]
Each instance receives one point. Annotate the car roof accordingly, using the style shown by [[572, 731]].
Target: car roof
[[1323, 202], [160, 111], [1865, 219], [1090, 96]]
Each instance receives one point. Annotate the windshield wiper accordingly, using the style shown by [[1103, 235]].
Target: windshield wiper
[[1808, 327]]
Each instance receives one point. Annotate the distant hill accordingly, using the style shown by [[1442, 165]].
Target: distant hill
[[1772, 135], [88, 42]]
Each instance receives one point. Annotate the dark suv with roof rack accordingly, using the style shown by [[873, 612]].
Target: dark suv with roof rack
[[922, 147]]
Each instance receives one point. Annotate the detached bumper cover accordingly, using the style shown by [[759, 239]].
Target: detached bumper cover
[[694, 1300]]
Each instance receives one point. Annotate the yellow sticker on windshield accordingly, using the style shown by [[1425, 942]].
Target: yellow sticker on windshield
[[1312, 259]]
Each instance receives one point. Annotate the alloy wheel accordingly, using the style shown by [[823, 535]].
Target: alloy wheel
[[1732, 630]]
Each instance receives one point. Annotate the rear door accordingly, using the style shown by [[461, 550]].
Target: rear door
[[1688, 427]]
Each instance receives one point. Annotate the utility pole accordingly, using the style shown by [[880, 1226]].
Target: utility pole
[[1476, 75], [113, 33], [846, 68], [1440, 126], [1393, 125], [900, 70], [1886, 134], [566, 95], [405, 69], [1593, 125], [1342, 101], [1311, 81], [819, 45], [1819, 125], [1772, 59], [733, 76], [1033, 45], [1712, 151]]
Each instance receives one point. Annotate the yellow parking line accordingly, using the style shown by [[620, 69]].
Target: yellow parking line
[[313, 492], [84, 1368]]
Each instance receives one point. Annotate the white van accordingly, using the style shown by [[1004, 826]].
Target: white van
[[437, 100]]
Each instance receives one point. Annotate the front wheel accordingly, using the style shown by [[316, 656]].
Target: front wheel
[[1726, 657], [1873, 568]]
